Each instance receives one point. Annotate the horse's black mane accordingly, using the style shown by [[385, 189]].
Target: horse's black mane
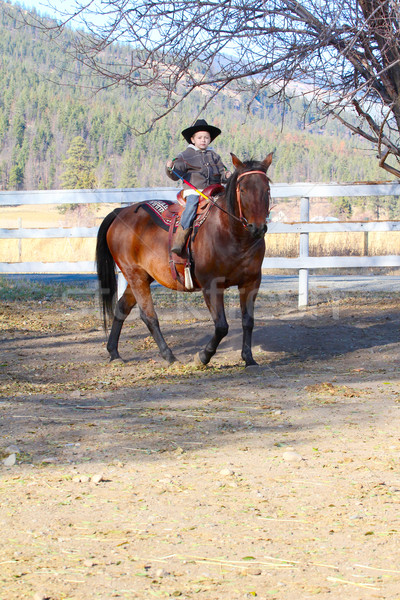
[[230, 193]]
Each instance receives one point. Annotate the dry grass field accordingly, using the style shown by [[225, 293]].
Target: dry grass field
[[50, 250], [53, 250], [334, 244]]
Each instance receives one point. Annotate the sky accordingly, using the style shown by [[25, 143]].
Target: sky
[[59, 8], [44, 6]]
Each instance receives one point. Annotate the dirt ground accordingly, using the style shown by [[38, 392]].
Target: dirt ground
[[138, 481]]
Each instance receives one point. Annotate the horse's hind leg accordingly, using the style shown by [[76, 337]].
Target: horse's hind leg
[[140, 281], [124, 307]]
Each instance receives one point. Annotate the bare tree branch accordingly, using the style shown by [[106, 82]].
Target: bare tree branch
[[344, 55], [388, 168]]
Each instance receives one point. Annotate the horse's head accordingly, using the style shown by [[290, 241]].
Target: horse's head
[[250, 194]]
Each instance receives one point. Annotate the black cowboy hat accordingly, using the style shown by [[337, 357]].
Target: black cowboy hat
[[200, 125]]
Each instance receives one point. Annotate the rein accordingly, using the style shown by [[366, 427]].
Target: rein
[[241, 219]]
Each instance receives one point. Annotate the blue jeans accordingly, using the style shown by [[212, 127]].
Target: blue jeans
[[189, 213]]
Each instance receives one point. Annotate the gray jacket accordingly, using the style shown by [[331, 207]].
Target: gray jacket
[[201, 168]]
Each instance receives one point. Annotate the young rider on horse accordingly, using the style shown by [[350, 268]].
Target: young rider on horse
[[201, 167]]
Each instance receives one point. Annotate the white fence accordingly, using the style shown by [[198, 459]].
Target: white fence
[[303, 263]]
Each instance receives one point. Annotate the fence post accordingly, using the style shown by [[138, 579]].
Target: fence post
[[365, 252], [20, 242], [303, 252]]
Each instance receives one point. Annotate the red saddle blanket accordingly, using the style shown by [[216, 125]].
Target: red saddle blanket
[[158, 211], [163, 212]]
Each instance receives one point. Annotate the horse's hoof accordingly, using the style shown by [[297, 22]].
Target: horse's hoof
[[174, 366], [170, 359], [198, 361], [115, 362], [253, 368], [172, 363]]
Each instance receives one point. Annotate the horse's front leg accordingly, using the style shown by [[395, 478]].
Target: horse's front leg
[[247, 300], [214, 299]]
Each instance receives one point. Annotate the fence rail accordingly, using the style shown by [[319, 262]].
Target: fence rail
[[278, 190], [304, 227]]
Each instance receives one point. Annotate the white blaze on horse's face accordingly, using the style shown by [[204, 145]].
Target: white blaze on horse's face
[[201, 140]]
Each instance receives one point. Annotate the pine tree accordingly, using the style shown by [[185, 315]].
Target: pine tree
[[16, 180], [78, 173], [106, 181], [19, 127], [128, 177], [344, 208]]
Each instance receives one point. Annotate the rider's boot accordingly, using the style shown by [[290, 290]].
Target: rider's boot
[[180, 239]]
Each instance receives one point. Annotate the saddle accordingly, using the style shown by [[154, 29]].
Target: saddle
[[163, 212], [167, 214], [174, 211], [178, 207]]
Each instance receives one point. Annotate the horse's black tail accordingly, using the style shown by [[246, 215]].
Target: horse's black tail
[[106, 270]]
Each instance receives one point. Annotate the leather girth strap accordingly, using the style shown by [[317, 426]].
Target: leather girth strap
[[174, 259]]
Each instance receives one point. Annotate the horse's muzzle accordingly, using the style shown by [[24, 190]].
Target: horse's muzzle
[[257, 231]]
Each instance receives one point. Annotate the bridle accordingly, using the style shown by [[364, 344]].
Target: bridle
[[241, 219]]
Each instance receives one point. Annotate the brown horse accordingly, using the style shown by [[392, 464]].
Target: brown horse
[[228, 251]]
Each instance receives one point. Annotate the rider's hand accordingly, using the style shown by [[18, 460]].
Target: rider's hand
[[169, 164], [227, 174]]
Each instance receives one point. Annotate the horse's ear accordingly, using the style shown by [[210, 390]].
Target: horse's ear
[[267, 161], [236, 162]]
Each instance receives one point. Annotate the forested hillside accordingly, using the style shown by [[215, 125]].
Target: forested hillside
[[45, 104]]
